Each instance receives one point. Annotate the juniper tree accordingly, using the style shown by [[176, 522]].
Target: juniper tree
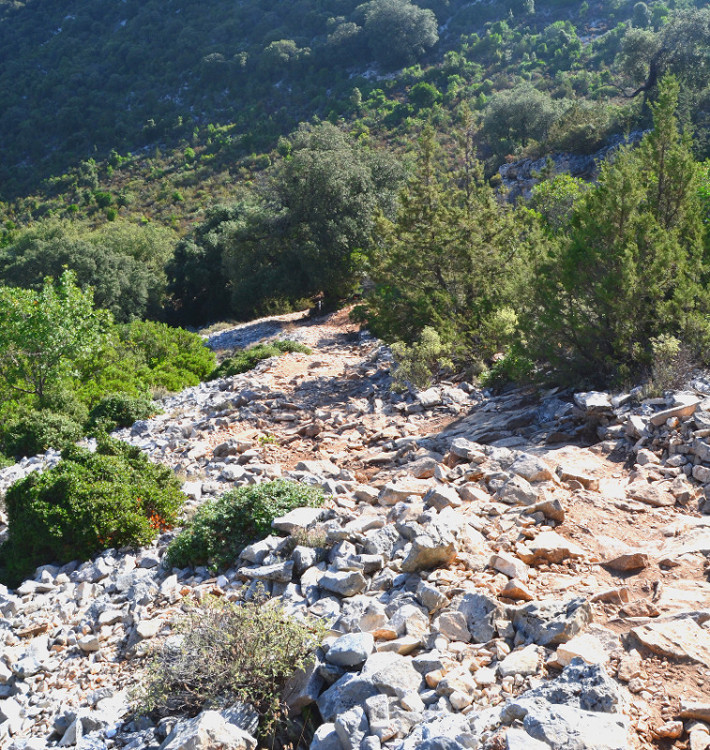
[[633, 266], [452, 260]]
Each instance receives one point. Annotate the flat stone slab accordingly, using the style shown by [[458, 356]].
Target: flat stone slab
[[684, 410], [569, 728], [298, 518], [549, 546], [690, 709], [532, 468], [593, 400], [650, 494], [680, 639], [319, 468], [394, 492]]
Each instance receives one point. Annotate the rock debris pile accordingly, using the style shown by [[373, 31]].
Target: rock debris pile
[[487, 580]]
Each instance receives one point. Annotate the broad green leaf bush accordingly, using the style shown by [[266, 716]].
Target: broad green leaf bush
[[114, 497], [224, 652], [248, 359], [221, 528]]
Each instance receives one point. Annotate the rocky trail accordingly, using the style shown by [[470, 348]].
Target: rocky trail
[[523, 571]]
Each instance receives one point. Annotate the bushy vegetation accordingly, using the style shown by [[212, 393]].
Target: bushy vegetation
[[88, 502], [247, 359], [123, 263], [28, 434], [300, 234], [223, 652], [453, 263], [632, 267], [120, 410], [220, 529], [66, 368]]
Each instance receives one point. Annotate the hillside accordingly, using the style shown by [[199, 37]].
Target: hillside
[[157, 110], [473, 547]]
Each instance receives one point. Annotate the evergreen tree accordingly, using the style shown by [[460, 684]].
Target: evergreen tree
[[452, 261], [633, 266]]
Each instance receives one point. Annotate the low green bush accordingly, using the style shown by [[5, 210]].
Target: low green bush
[[120, 410], [248, 359], [514, 367], [416, 364], [221, 528], [114, 497], [224, 652], [33, 432]]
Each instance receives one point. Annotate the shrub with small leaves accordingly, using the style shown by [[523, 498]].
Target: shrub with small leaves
[[224, 652], [514, 367], [114, 497], [35, 431], [248, 359], [417, 363], [121, 410], [221, 528]]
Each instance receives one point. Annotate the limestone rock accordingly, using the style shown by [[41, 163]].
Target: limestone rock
[[481, 613], [683, 639], [650, 494], [343, 583], [692, 709], [524, 662], [510, 565], [549, 546], [516, 589], [298, 519], [392, 674], [395, 492], [349, 691], [518, 739], [325, 738], [551, 621], [591, 401], [442, 497], [628, 561], [430, 550], [352, 727], [568, 728], [532, 468], [517, 491], [351, 650], [319, 468], [208, 731], [586, 647]]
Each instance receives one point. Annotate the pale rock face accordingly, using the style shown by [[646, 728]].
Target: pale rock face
[[208, 731], [525, 662]]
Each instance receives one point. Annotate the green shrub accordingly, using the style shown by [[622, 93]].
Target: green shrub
[[120, 410], [227, 652], [144, 355], [248, 359], [175, 357], [514, 367], [416, 364], [88, 502], [221, 528], [35, 431]]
